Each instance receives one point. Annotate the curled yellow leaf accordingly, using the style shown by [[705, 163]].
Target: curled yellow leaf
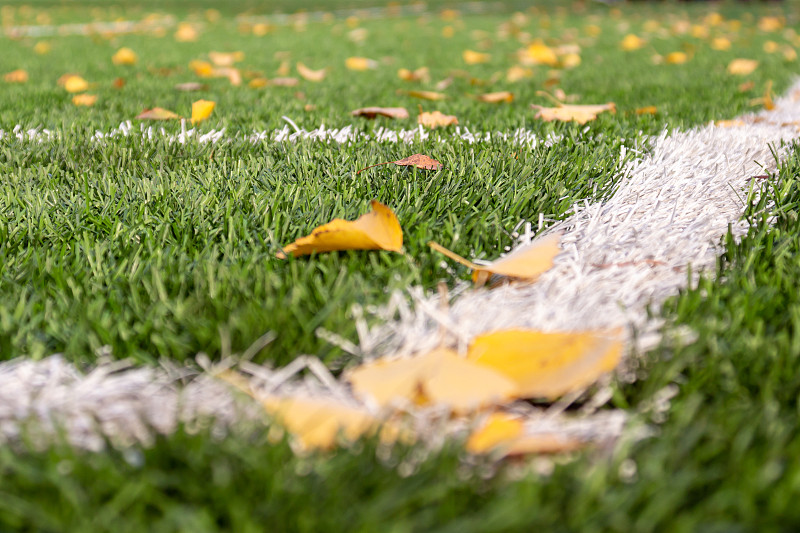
[[360, 63], [471, 57], [84, 99], [16, 76], [377, 230], [310, 74], [436, 119], [76, 84], [548, 365], [124, 56], [577, 113], [524, 262], [742, 67], [439, 377], [201, 110]]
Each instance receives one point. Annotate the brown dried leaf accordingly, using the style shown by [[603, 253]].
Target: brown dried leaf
[[191, 86], [417, 160], [388, 112]]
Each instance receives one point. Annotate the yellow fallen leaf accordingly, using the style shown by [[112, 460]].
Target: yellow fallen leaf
[[76, 84], [496, 97], [424, 95], [225, 59], [765, 100], [505, 433], [201, 110], [771, 47], [439, 377], [204, 69], [16, 76], [498, 430], [789, 54], [124, 56], [84, 99], [436, 119], [526, 262], [42, 47], [190, 86], [258, 83], [420, 74], [388, 112], [742, 67], [233, 74], [157, 113], [570, 60], [377, 230], [548, 365], [632, 42], [720, 43], [360, 63], [539, 53], [770, 24], [676, 58], [310, 74], [647, 110], [577, 113], [471, 57], [317, 422], [699, 31], [186, 33], [517, 73]]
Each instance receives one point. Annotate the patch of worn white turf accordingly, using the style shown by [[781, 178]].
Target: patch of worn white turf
[[621, 255]]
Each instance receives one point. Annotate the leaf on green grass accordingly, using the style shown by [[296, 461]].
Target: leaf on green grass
[[417, 160], [377, 230]]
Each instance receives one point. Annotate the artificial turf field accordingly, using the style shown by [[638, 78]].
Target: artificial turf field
[[158, 249]]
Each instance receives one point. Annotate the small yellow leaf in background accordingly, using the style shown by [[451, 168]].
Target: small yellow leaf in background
[[789, 54], [16, 76], [471, 57], [225, 59], [436, 119], [632, 42], [310, 74], [424, 95], [742, 67], [699, 32], [420, 74], [124, 56], [539, 53], [258, 83], [377, 230], [76, 84], [201, 110], [204, 69], [570, 60], [720, 43], [497, 97], [157, 113], [770, 24], [388, 112], [360, 63], [765, 100], [517, 73], [42, 47], [318, 421], [84, 99], [526, 262], [647, 110], [439, 377], [577, 113], [771, 47], [186, 33], [676, 58], [498, 430], [548, 365], [233, 74]]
